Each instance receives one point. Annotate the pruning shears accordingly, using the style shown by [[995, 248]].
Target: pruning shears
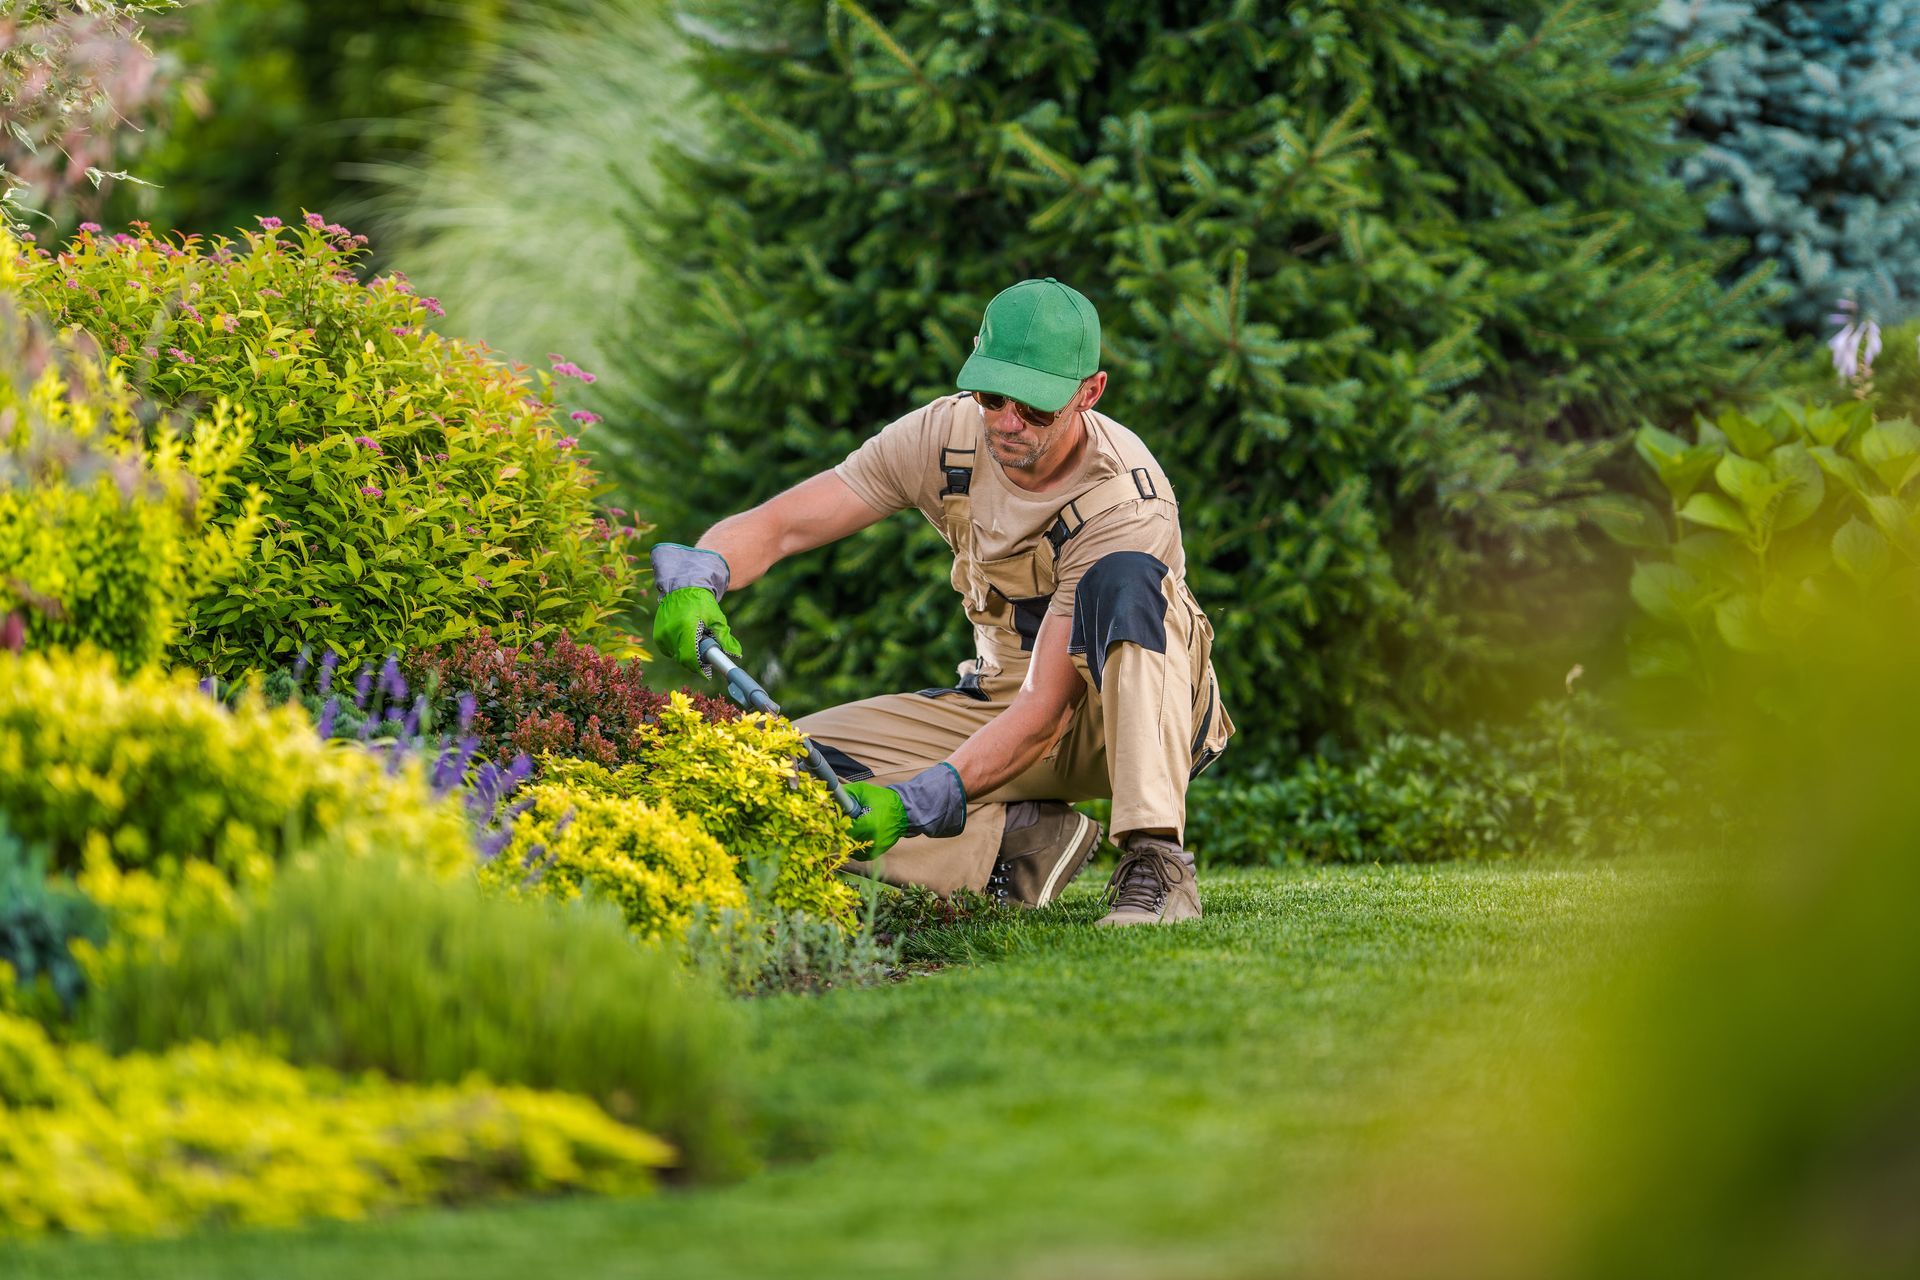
[[749, 693]]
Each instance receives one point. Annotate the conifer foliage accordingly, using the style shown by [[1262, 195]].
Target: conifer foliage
[[1381, 285], [1809, 114]]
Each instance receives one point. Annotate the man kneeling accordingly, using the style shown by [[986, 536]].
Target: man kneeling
[[1093, 675]]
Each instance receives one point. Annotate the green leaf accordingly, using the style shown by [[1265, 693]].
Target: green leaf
[[1804, 487], [1748, 437], [1679, 465], [1862, 551], [1856, 478], [352, 557], [1751, 484], [1630, 521], [1739, 622], [1715, 512], [1716, 557], [1890, 448], [1666, 591]]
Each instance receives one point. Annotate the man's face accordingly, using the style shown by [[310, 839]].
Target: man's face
[[1016, 443]]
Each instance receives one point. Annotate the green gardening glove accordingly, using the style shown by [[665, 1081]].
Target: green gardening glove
[[690, 582], [931, 803], [885, 820], [677, 623]]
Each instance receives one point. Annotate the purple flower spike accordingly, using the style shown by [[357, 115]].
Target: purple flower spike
[[209, 687], [327, 715], [328, 661], [492, 842], [391, 682], [300, 665], [411, 725], [362, 686], [468, 703]]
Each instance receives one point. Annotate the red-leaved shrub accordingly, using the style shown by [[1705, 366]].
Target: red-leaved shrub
[[563, 698]]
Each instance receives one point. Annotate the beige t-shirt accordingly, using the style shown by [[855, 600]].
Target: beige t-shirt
[[900, 469]]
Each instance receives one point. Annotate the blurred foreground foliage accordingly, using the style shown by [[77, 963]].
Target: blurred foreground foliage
[[1739, 1098]]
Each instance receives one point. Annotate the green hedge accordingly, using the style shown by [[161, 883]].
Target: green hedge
[[1561, 784]]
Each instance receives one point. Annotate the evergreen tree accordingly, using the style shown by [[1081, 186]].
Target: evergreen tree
[[1809, 116], [1381, 285]]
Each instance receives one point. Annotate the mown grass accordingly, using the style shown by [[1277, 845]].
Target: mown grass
[[1150, 1101]]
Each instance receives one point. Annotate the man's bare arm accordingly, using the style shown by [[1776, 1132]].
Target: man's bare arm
[[1010, 743], [811, 514]]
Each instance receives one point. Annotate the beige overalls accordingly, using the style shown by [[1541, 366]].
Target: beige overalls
[[1151, 719]]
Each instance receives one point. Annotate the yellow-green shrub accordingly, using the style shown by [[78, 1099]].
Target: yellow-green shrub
[[738, 779], [104, 540], [655, 864], [226, 1135], [155, 794], [417, 489]]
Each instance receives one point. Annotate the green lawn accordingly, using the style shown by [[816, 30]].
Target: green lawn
[[1151, 1101]]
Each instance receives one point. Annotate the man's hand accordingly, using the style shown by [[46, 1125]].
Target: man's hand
[[930, 803], [885, 820], [690, 581]]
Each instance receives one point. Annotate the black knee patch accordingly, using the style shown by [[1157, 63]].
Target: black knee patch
[[849, 769], [1120, 598]]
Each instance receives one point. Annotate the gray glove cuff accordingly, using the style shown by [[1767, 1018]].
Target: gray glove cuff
[[676, 565], [936, 801]]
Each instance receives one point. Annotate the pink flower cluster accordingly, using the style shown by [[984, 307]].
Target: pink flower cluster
[[368, 442], [372, 491], [568, 369]]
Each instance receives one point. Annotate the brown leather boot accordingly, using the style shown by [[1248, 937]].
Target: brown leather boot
[[1155, 883], [1045, 845]]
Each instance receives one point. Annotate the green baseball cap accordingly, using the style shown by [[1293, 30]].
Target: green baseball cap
[[1037, 341]]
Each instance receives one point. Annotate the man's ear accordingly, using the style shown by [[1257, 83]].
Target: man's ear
[[1094, 387]]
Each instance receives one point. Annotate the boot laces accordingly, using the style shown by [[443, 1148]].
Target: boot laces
[[1142, 880]]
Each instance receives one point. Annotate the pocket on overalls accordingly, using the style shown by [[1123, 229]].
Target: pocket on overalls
[[1212, 725]]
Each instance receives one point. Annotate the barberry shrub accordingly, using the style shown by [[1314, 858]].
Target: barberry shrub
[[416, 489], [161, 799], [103, 539], [658, 867], [546, 698], [738, 778]]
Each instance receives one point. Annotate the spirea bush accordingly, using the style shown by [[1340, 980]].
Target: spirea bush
[[739, 781], [546, 698], [416, 489], [658, 867], [208, 1135], [365, 965], [143, 783], [103, 539]]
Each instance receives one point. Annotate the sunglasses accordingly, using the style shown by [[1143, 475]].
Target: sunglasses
[[1033, 417]]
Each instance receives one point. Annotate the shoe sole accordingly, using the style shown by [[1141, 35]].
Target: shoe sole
[[1086, 838]]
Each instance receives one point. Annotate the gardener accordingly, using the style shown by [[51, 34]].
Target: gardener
[[1093, 674]]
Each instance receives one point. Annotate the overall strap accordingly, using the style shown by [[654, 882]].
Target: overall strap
[[1129, 486], [956, 468]]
